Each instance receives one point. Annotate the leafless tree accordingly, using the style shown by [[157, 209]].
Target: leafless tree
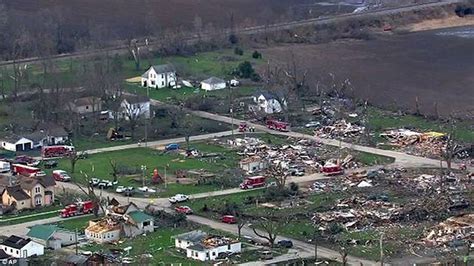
[[271, 228], [73, 158], [89, 192], [279, 175]]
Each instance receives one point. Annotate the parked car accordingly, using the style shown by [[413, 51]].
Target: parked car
[[172, 147], [266, 255], [229, 219], [146, 189], [178, 198], [183, 209], [61, 175], [120, 189], [129, 191], [105, 184], [94, 182], [312, 124], [40, 173], [50, 164], [285, 243]]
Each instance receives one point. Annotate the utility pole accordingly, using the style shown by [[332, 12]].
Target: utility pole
[[77, 247], [381, 249], [315, 246], [166, 185], [143, 174]]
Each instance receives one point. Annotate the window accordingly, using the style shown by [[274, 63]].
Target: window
[[37, 189], [162, 76], [213, 253], [162, 83], [17, 252], [87, 107], [179, 241], [11, 250], [228, 247], [146, 223]]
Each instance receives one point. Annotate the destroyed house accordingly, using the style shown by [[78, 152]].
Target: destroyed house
[[253, 164], [120, 221], [204, 247]]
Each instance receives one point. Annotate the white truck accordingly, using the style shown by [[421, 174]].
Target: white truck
[[4, 167]]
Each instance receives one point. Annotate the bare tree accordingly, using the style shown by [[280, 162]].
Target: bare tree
[[270, 227], [89, 192], [279, 175], [73, 158], [115, 171]]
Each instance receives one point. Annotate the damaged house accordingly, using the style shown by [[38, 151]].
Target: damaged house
[[253, 164], [204, 247], [120, 221]]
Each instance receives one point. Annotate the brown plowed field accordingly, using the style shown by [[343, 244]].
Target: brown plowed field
[[394, 70]]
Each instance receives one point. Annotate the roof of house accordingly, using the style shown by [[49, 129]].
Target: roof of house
[[13, 138], [267, 95], [16, 242], [139, 216], [17, 193], [44, 231], [51, 129], [86, 101], [213, 80], [36, 136], [134, 99], [47, 181], [252, 159], [197, 247], [195, 236], [103, 226], [159, 69], [76, 259], [3, 255]]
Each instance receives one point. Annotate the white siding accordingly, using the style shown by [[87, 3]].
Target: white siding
[[211, 87], [211, 254], [159, 80], [105, 237], [28, 250]]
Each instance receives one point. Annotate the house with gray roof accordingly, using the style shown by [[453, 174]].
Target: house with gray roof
[[269, 103], [18, 247], [212, 84], [159, 76], [16, 143], [52, 236]]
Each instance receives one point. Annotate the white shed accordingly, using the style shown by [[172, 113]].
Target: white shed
[[17, 143], [212, 84]]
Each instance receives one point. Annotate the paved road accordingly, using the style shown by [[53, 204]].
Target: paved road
[[122, 49]]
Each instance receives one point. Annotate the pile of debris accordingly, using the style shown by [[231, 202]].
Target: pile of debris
[[428, 144], [339, 129], [453, 232]]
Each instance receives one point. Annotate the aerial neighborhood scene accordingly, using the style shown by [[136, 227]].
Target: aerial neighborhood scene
[[237, 132]]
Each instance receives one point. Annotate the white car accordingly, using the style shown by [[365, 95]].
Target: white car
[[120, 189], [146, 189], [94, 181], [312, 124], [178, 198]]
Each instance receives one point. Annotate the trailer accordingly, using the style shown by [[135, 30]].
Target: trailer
[[253, 182], [21, 169], [78, 208], [278, 125], [57, 151]]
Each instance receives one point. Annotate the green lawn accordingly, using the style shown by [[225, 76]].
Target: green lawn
[[98, 165], [80, 223]]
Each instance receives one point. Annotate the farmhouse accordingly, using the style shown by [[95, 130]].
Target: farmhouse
[[159, 76], [212, 84], [52, 236], [253, 164], [119, 221], [85, 105], [17, 143], [132, 107], [48, 134], [201, 246], [268, 103], [27, 192], [19, 247]]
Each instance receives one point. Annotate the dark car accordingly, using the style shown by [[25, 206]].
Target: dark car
[[50, 164], [172, 147], [285, 243]]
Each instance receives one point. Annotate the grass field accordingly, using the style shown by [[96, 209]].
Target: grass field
[[98, 165], [30, 215]]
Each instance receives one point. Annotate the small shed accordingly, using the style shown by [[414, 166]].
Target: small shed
[[52, 236], [212, 84], [253, 164]]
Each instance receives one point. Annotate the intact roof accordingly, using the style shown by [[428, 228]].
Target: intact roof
[[86, 101], [36, 136], [268, 95], [139, 216], [44, 231], [159, 69], [47, 181], [13, 138], [17, 193], [133, 99], [195, 236], [213, 80], [3, 255], [16, 242]]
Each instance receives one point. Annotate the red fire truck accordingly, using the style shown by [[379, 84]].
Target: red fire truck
[[78, 208], [331, 169], [21, 169], [278, 125], [56, 151], [253, 182]]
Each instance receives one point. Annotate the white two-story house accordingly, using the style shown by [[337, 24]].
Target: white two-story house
[[268, 103], [159, 76], [132, 107]]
